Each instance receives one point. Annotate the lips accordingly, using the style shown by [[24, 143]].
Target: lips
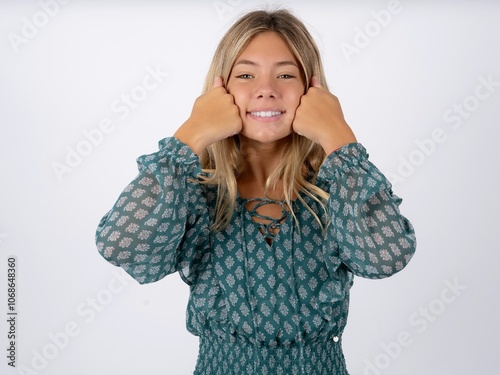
[[264, 114]]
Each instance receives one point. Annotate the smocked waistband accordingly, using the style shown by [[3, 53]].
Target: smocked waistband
[[220, 357]]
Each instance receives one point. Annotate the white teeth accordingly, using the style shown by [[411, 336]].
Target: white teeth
[[266, 113]]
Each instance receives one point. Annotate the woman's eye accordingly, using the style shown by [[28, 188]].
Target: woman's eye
[[286, 76], [244, 76]]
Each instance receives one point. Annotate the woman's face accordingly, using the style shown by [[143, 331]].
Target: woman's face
[[267, 85]]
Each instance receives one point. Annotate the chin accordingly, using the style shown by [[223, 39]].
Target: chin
[[266, 137], [266, 133]]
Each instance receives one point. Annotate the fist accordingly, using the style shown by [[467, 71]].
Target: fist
[[319, 117], [214, 117]]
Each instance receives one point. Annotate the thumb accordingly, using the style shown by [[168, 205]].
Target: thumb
[[218, 82], [315, 82]]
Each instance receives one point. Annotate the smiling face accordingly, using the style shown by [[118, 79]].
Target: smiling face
[[267, 85]]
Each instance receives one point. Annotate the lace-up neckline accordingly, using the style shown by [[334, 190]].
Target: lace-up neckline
[[269, 226]]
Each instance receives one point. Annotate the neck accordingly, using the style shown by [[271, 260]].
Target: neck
[[259, 162]]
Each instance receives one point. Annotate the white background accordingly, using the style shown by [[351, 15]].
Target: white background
[[397, 91]]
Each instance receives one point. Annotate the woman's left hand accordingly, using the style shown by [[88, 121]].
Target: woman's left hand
[[319, 117]]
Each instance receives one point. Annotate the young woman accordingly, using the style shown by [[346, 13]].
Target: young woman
[[266, 205]]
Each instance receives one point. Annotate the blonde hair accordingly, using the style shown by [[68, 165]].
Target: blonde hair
[[221, 162]]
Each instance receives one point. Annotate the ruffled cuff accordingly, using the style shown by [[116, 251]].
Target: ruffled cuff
[[351, 158], [171, 152]]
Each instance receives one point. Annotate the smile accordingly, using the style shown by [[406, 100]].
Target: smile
[[266, 113]]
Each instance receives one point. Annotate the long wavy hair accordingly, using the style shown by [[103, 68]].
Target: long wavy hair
[[221, 162]]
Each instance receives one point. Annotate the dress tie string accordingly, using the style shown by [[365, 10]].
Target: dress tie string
[[270, 229]]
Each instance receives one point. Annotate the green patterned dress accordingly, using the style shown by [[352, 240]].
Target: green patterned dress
[[261, 301]]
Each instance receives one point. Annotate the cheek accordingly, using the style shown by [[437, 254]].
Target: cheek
[[294, 99], [239, 98], [241, 104]]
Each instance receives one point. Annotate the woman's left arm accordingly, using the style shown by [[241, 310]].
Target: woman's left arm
[[366, 231]]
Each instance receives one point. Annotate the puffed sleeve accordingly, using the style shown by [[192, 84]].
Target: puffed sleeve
[[159, 224], [366, 231]]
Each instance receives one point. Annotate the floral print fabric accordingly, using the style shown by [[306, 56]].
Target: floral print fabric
[[260, 306]]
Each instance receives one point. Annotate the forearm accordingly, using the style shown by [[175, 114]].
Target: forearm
[[372, 237], [144, 230]]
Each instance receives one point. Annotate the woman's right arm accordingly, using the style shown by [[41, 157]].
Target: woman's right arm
[[160, 223]]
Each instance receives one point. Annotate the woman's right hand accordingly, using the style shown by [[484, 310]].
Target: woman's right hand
[[214, 117]]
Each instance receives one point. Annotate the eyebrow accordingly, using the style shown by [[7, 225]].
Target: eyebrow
[[279, 63]]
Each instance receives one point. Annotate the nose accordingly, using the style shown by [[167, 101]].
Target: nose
[[265, 88]]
